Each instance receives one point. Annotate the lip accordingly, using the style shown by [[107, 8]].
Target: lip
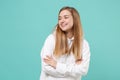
[[63, 25]]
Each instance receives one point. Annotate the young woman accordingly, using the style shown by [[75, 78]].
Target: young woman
[[65, 54]]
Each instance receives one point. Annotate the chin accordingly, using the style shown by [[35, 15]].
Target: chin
[[64, 30]]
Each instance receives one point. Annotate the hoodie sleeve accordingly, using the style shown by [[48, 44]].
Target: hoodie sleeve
[[48, 50]]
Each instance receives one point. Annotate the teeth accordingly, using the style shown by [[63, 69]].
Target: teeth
[[63, 25]]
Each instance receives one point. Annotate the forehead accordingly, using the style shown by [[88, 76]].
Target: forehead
[[64, 12]]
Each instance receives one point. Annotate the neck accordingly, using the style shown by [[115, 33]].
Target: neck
[[69, 34]]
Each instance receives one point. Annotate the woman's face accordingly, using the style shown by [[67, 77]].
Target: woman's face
[[65, 21]]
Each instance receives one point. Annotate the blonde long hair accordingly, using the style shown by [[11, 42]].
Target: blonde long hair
[[61, 45]]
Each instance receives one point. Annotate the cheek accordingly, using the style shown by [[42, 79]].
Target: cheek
[[71, 22], [58, 23]]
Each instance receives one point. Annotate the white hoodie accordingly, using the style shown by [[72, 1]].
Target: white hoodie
[[66, 68]]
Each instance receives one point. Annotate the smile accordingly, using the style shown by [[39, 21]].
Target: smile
[[63, 25]]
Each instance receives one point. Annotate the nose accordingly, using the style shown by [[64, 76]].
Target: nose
[[62, 20]]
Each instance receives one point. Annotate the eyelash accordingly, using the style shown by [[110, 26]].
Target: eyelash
[[64, 17]]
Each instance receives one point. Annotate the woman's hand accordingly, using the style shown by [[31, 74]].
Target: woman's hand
[[78, 61], [50, 61]]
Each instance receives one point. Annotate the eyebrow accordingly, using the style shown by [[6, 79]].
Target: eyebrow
[[64, 15]]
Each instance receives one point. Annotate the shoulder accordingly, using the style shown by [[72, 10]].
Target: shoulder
[[85, 44], [50, 38], [85, 49]]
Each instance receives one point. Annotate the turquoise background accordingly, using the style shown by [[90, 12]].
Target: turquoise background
[[25, 24]]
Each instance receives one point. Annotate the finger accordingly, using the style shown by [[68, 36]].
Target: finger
[[78, 62], [48, 57], [46, 61]]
